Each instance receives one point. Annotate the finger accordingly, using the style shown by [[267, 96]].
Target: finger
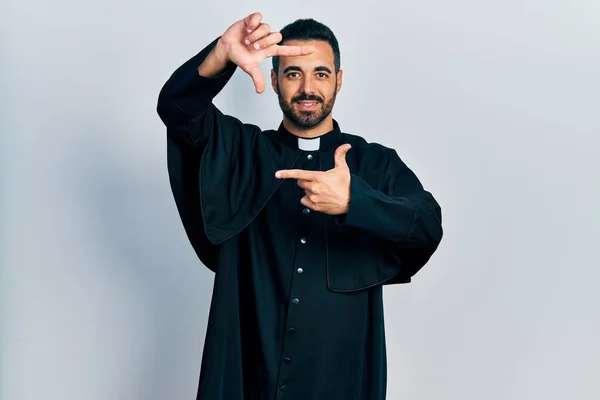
[[307, 203], [305, 184], [257, 77], [340, 155], [311, 188], [296, 174], [260, 32], [265, 42], [290, 50], [252, 21]]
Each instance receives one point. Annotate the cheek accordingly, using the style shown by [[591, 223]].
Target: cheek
[[328, 90], [286, 91]]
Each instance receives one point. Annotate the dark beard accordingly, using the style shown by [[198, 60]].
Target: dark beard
[[306, 119]]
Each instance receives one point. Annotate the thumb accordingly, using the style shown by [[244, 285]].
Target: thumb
[[340, 155], [257, 77]]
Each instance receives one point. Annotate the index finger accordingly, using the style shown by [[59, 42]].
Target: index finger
[[278, 50], [296, 174]]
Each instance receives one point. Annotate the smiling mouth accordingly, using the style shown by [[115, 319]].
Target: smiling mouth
[[307, 104]]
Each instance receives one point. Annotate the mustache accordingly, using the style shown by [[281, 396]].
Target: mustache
[[307, 98]]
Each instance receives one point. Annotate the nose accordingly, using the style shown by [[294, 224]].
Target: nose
[[307, 85]]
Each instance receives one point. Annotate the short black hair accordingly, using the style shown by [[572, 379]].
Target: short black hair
[[309, 29]]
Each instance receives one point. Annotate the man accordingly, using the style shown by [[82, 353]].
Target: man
[[302, 225]]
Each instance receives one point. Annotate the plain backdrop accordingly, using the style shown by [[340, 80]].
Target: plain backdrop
[[493, 104]]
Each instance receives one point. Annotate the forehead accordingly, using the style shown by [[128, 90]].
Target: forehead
[[323, 55]]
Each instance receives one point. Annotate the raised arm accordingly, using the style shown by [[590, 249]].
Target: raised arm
[[202, 140], [185, 106], [185, 101]]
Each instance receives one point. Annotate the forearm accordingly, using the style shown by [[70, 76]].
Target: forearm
[[411, 220], [188, 95], [215, 63]]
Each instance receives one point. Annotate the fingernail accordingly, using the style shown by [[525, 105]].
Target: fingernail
[[249, 30], [257, 46], [247, 41]]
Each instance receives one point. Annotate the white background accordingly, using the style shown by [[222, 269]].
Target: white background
[[494, 104]]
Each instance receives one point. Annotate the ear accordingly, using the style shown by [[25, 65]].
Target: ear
[[274, 81], [340, 73]]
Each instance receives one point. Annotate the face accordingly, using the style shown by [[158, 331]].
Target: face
[[307, 85]]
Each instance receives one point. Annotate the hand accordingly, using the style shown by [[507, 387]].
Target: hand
[[326, 191], [249, 41]]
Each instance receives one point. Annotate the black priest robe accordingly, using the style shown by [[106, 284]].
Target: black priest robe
[[296, 310]]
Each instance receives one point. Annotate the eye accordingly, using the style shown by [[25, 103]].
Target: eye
[[322, 75], [293, 75]]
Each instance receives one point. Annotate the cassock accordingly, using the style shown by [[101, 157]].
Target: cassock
[[296, 311]]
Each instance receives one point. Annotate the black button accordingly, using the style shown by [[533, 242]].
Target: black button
[[303, 240], [310, 156], [287, 360], [306, 210], [291, 331], [295, 301], [283, 388]]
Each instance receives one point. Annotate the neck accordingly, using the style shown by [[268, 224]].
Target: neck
[[323, 127]]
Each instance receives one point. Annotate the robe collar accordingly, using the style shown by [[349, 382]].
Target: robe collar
[[324, 142]]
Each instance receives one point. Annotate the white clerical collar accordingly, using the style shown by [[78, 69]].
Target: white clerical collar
[[309, 144]]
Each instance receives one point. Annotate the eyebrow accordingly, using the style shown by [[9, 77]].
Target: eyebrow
[[296, 68]]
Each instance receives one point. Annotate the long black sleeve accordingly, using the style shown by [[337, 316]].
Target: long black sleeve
[[187, 96], [193, 125], [399, 211]]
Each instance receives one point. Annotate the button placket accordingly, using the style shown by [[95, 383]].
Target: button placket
[[296, 310]]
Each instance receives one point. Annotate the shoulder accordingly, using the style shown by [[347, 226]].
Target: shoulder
[[381, 166], [372, 154]]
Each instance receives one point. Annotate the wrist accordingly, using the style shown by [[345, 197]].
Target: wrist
[[221, 53], [216, 62]]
